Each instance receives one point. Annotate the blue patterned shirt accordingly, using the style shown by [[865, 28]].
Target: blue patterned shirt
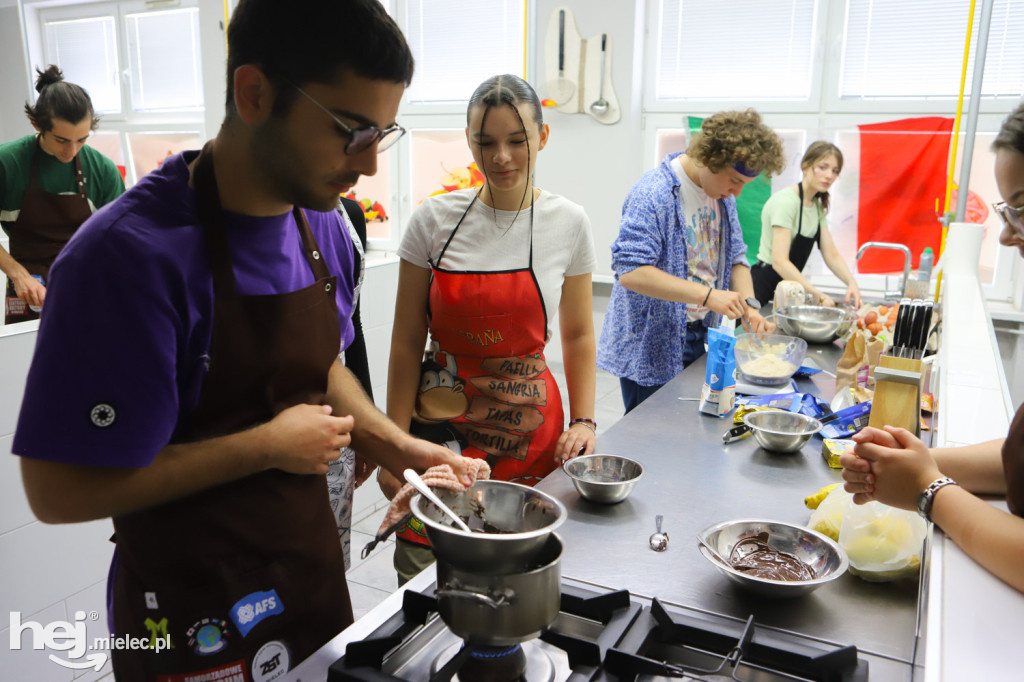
[[643, 338]]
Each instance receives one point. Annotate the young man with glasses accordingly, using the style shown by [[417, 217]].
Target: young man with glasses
[[195, 395]]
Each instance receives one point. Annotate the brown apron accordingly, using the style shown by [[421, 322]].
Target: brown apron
[[44, 225], [1013, 464], [247, 577]]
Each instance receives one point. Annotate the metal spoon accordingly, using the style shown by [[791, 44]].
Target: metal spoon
[[713, 551], [417, 482], [601, 105], [659, 540]]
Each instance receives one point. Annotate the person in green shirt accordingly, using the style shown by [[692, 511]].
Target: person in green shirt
[[793, 221], [50, 183]]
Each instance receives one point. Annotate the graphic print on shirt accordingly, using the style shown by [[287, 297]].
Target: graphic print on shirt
[[702, 244], [507, 406], [501, 408], [441, 395]]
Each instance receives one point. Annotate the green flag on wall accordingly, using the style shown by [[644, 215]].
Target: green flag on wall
[[748, 204]]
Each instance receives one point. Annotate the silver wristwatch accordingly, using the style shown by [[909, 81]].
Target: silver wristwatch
[[927, 498]]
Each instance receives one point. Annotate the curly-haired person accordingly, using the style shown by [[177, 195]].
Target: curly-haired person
[[679, 260]]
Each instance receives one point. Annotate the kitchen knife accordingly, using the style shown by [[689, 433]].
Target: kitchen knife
[[899, 340], [926, 326], [918, 322]]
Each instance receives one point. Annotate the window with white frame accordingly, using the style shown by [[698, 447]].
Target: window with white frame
[[140, 64], [457, 45], [755, 50], [914, 49]]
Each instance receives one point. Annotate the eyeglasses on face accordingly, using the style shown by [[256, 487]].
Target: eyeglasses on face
[[1014, 217], [362, 138]]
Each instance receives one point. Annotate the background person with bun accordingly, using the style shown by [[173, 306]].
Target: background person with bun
[[50, 183], [793, 221], [679, 260], [896, 468]]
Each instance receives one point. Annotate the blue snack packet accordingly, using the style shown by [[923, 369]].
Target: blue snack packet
[[847, 421], [790, 402], [718, 394]]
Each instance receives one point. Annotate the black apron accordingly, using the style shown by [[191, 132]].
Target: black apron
[[44, 225], [248, 576], [764, 276]]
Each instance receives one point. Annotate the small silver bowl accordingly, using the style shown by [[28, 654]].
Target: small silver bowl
[[607, 479], [780, 431], [825, 557]]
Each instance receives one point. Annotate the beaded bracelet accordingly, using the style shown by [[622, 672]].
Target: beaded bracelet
[[586, 421], [710, 289]]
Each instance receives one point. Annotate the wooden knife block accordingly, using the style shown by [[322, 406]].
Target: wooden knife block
[[897, 399]]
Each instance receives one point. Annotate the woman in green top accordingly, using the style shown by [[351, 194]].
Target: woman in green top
[[792, 221], [49, 184]]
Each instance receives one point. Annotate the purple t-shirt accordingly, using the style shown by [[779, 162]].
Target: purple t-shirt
[[129, 316]]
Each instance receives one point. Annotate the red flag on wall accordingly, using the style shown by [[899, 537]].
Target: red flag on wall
[[902, 172]]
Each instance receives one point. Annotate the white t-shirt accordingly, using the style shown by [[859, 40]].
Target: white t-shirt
[[563, 245], [704, 235]]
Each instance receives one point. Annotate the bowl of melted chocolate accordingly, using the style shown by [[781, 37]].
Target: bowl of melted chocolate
[[773, 558], [509, 523]]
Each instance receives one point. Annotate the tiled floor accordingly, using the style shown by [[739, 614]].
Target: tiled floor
[[373, 579]]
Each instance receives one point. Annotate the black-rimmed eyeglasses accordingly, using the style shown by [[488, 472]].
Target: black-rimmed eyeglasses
[[362, 138], [1014, 217]]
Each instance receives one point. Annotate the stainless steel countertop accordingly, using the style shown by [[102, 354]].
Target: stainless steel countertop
[[695, 481]]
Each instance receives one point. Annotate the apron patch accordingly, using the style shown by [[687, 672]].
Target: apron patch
[[208, 636], [253, 608], [232, 672], [102, 415], [270, 662], [158, 630]]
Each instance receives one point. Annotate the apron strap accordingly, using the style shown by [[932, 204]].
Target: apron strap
[[33, 181], [454, 230], [216, 237]]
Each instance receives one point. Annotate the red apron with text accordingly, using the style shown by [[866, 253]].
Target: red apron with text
[[485, 373], [245, 579], [44, 225]]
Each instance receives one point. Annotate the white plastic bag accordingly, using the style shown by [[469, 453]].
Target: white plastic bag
[[827, 519], [882, 542]]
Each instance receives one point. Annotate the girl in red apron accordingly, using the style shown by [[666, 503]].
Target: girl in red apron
[[894, 467], [483, 272], [783, 255], [45, 221]]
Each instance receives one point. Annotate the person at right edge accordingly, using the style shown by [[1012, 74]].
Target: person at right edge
[[679, 260], [50, 183], [196, 395], [894, 467], [793, 221]]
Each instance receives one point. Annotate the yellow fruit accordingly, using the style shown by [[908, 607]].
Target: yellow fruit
[[830, 525], [812, 501]]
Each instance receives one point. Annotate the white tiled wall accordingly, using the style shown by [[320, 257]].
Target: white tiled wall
[[49, 572], [377, 311]]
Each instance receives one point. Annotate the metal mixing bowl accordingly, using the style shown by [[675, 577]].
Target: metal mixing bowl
[[822, 554], [511, 524], [815, 323], [607, 479], [751, 347], [780, 431]]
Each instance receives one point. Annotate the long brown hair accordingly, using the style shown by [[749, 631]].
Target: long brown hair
[[815, 153]]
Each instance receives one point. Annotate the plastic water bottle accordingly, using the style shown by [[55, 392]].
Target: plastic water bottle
[[924, 268]]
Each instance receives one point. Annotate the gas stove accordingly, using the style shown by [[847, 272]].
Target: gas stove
[[599, 634]]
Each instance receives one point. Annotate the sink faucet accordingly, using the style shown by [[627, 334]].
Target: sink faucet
[[906, 263]]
